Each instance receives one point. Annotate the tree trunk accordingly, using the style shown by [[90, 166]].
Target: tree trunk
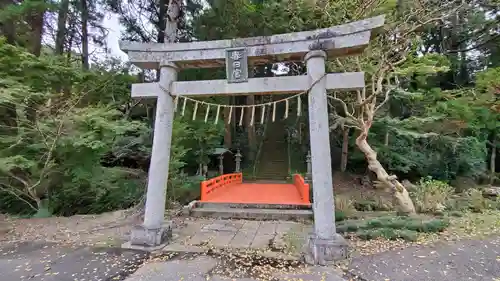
[[85, 35], [390, 182], [35, 20], [162, 16], [8, 27], [345, 149], [172, 20], [493, 159], [61, 27]]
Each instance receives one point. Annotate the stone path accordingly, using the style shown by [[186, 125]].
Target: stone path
[[477, 260], [239, 234], [41, 261], [203, 268]]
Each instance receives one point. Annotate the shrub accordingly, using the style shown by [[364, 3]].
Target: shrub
[[345, 205], [388, 233], [406, 228], [340, 216], [457, 204], [477, 203], [184, 189], [379, 204], [431, 195]]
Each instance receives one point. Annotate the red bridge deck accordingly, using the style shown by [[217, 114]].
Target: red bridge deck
[[230, 189]]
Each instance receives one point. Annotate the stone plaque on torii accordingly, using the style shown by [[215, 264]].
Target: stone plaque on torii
[[313, 47]]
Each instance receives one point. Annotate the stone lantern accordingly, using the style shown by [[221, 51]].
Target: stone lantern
[[238, 161], [221, 164]]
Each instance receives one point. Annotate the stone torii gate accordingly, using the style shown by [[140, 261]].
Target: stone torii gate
[[313, 47]]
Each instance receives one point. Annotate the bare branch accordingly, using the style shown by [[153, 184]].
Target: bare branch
[[386, 99], [344, 106], [11, 191]]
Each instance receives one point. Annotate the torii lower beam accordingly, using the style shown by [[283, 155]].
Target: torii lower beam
[[273, 85]]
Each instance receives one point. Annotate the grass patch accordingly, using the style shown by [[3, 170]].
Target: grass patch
[[388, 233], [407, 228], [340, 216], [476, 224]]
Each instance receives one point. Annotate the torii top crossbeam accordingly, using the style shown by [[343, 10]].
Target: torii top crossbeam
[[347, 39]]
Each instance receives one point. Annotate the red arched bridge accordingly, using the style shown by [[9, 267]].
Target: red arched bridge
[[230, 188]]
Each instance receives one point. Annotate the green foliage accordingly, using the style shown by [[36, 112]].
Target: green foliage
[[487, 81], [388, 233], [431, 195], [67, 148], [184, 189], [340, 215], [407, 228], [75, 138]]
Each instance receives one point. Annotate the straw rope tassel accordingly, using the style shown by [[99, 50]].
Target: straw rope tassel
[[263, 114], [274, 111], [217, 115], [286, 109], [253, 116], [176, 101], [230, 115], [195, 110], [299, 106], [184, 107], [241, 116], [206, 113]]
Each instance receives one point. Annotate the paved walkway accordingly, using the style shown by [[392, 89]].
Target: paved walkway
[[203, 268], [38, 261], [477, 260], [261, 235]]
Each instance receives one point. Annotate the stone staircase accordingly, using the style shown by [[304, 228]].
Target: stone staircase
[[273, 157]]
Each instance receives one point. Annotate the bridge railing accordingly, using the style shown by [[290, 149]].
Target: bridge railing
[[209, 186], [302, 187]]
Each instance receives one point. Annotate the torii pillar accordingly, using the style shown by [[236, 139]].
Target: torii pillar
[[154, 232], [324, 244]]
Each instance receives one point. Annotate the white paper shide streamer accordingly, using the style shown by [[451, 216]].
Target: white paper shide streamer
[[240, 110]]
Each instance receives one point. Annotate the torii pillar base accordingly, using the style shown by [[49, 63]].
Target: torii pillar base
[[151, 238], [322, 251], [143, 238]]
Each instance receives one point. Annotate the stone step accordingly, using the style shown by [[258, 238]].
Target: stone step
[[265, 172], [271, 174], [274, 165], [213, 205], [252, 213], [272, 169]]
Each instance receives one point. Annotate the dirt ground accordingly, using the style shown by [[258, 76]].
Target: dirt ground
[[106, 229]]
